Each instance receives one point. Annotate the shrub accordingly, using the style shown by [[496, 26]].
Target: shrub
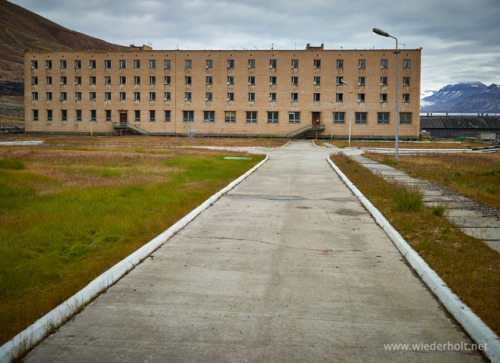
[[407, 199]]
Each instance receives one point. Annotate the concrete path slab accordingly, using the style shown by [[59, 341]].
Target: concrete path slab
[[287, 267]]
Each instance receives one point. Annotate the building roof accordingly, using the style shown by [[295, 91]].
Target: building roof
[[460, 122]]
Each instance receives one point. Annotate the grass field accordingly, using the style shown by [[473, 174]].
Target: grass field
[[466, 264], [69, 213], [435, 144]]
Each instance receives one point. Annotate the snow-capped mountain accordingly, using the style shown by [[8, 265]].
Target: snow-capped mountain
[[464, 97]]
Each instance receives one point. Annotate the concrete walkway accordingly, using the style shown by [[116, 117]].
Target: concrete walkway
[[287, 267]]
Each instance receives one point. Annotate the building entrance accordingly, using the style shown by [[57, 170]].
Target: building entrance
[[123, 117], [316, 118]]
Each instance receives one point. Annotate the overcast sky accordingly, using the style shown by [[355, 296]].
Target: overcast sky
[[460, 38]]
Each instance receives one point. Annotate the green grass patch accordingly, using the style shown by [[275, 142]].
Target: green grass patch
[[468, 266], [407, 199], [11, 164]]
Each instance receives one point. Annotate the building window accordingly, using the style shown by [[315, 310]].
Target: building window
[[152, 80], [78, 81], [137, 80], [272, 97], [317, 64], [92, 64], [137, 64], [187, 96], [361, 81], [230, 96], [316, 97], [209, 64], [295, 81], [339, 117], [108, 115], [360, 118], [64, 97], [34, 81], [49, 115], [107, 96], [340, 64], [107, 81], [63, 64], [209, 80], [230, 64], [406, 81], [137, 116], [167, 115], [137, 96], [166, 80], [406, 97], [383, 118], [64, 115], [209, 116], [361, 97], [383, 97], [34, 65], [123, 96], [107, 64], [92, 96], [340, 81], [295, 63], [123, 80], [166, 64], [122, 64], [361, 63], [152, 96], [152, 115], [273, 63], [34, 96], [294, 117], [339, 97], [406, 63], [251, 117], [405, 118], [166, 96], [48, 96], [152, 64], [187, 64], [272, 117], [48, 81], [63, 81], [187, 80], [251, 64], [92, 81], [230, 81], [93, 115], [251, 97], [317, 81], [208, 96], [78, 96], [78, 115], [294, 97], [230, 116], [383, 81], [48, 64], [384, 63], [35, 115], [272, 81], [78, 64], [251, 81], [188, 116]]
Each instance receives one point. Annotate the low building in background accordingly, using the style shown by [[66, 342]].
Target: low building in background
[[223, 92]]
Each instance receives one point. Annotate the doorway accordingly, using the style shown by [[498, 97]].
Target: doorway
[[316, 118], [123, 117]]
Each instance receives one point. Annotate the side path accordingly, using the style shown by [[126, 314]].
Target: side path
[[286, 267]]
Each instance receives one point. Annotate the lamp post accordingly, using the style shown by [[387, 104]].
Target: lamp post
[[385, 34], [350, 112]]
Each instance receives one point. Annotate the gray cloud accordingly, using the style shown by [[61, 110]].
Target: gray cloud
[[460, 38]]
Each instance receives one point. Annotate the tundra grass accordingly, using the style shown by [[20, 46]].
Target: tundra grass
[[67, 216], [469, 267], [474, 175]]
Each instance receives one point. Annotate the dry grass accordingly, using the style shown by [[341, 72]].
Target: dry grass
[[474, 175], [466, 264], [445, 144], [67, 214]]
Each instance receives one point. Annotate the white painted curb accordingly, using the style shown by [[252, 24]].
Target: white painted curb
[[474, 326], [38, 330]]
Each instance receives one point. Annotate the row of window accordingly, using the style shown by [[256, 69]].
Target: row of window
[[230, 116], [294, 97], [273, 81], [273, 64]]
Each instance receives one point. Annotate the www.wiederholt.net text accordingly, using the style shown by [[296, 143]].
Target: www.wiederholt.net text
[[435, 346]]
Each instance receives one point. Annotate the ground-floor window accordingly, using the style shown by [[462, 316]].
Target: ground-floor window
[[209, 116], [152, 115], [188, 116], [272, 117], [35, 115], [294, 117], [49, 115], [360, 118], [405, 118], [78, 115], [167, 115], [338, 117], [137, 115], [252, 117], [93, 115], [383, 118], [108, 115], [64, 115], [230, 116]]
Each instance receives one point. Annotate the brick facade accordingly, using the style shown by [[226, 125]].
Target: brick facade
[[239, 92]]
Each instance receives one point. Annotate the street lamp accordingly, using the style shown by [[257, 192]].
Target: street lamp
[[350, 113], [385, 34]]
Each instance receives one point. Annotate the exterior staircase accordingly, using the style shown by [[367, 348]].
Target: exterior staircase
[[125, 126], [307, 132]]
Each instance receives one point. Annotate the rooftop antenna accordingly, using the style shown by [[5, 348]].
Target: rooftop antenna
[[272, 46]]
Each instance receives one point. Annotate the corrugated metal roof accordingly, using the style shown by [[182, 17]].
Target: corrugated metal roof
[[459, 122]]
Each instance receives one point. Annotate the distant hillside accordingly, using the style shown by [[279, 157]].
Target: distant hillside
[[21, 29], [472, 97]]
